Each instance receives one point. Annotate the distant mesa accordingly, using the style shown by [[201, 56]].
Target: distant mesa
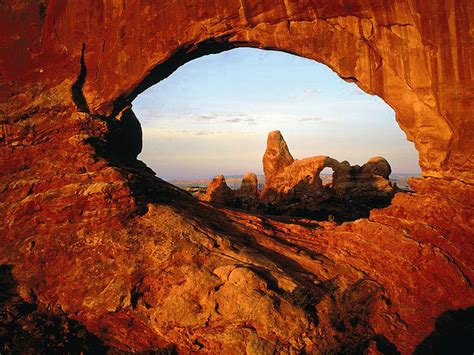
[[294, 187]]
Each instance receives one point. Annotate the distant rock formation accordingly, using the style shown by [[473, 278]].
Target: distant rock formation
[[277, 156], [218, 192], [288, 180], [294, 187], [246, 197]]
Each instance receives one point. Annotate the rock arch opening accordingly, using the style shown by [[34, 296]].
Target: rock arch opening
[[211, 118], [326, 176]]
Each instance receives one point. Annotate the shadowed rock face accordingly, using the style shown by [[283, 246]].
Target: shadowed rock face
[[26, 328], [144, 266], [246, 197]]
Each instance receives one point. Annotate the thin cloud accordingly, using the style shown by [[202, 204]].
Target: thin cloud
[[319, 120], [206, 117], [310, 119], [235, 120], [167, 132], [205, 133], [303, 95], [250, 121], [311, 91], [225, 118]]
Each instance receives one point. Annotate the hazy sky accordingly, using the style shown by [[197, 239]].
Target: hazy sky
[[212, 116]]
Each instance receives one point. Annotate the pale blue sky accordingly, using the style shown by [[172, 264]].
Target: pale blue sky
[[212, 116]]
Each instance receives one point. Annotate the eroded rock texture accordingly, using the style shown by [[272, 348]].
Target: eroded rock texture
[[246, 197], [218, 192], [294, 187], [144, 266], [27, 328]]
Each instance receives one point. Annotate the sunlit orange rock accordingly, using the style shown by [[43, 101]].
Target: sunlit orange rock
[[245, 197], [92, 233], [218, 192]]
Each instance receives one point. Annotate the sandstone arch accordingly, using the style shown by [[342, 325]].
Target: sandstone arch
[[95, 233], [391, 51]]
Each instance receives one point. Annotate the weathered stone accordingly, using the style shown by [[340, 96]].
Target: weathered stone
[[378, 166], [294, 187], [132, 258], [248, 195], [218, 192], [277, 156]]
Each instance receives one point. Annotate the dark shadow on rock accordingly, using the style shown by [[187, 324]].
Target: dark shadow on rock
[[350, 318], [126, 138], [147, 188], [27, 328], [295, 188], [120, 146], [327, 205], [453, 334]]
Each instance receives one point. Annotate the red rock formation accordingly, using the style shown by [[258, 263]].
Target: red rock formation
[[144, 266], [294, 187], [248, 195], [218, 192], [367, 182], [277, 155]]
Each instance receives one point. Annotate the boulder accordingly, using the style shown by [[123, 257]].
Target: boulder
[[248, 195], [218, 192]]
